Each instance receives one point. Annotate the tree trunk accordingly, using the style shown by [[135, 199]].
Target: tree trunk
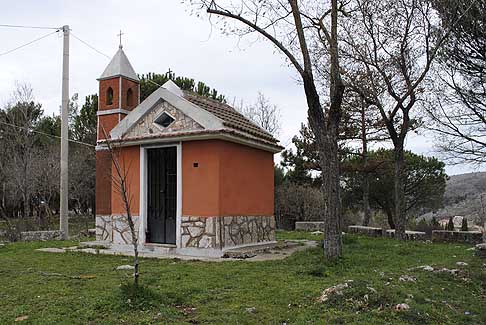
[[327, 145], [366, 200], [399, 193], [389, 216], [366, 176], [332, 201]]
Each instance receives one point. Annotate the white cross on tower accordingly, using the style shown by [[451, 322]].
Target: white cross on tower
[[120, 35]]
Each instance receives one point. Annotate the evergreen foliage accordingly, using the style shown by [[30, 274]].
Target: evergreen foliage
[[450, 224], [152, 81]]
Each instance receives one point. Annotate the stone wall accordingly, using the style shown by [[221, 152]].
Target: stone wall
[[222, 232], [409, 235], [41, 235], [367, 231], [115, 229], [309, 225], [445, 236]]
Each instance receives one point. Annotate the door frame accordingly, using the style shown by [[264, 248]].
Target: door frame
[[143, 190]]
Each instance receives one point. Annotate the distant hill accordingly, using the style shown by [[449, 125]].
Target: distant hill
[[463, 197]]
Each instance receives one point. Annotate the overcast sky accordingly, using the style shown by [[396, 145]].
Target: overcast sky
[[158, 35]]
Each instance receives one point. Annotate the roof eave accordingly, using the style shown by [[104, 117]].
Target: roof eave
[[224, 134], [118, 76]]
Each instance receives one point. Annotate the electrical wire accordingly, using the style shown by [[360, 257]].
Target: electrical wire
[[26, 44], [31, 27], [90, 46], [154, 82], [46, 134]]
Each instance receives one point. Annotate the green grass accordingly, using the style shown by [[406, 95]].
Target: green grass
[[90, 291]]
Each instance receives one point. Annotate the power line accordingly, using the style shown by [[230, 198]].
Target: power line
[[31, 27], [90, 46], [26, 44], [149, 80], [46, 134]]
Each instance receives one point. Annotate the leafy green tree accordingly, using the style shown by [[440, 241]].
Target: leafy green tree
[[152, 81], [424, 179], [83, 125]]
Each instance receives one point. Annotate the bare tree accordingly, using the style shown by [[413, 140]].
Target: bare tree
[[395, 44], [362, 127], [299, 29], [264, 114], [122, 187], [458, 110], [20, 118]]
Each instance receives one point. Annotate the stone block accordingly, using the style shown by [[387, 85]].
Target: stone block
[[481, 250], [41, 235], [309, 225], [409, 235], [367, 231], [446, 236]]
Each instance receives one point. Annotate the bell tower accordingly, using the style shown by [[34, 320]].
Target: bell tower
[[119, 93]]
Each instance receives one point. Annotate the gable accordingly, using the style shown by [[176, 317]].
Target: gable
[[146, 126]]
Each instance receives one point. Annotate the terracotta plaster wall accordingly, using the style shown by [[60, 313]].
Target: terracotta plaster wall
[[230, 179], [246, 181], [200, 185], [129, 159], [103, 182]]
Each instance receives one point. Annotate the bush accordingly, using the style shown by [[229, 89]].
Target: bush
[[425, 226], [295, 202], [450, 224]]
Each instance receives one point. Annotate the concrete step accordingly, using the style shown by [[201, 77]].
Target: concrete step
[[99, 244], [248, 251], [158, 248]]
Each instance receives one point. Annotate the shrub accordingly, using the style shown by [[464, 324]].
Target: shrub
[[450, 224], [295, 202]]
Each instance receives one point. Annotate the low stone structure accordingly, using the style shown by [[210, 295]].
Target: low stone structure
[[41, 235], [197, 232], [115, 229], [481, 250], [446, 236], [409, 235], [309, 225], [367, 231]]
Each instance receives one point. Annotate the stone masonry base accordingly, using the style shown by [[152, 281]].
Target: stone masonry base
[[115, 229], [224, 232], [212, 233]]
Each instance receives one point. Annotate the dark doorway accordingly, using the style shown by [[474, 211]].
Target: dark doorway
[[161, 195]]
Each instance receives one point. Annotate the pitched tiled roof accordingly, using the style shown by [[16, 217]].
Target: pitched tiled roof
[[231, 117]]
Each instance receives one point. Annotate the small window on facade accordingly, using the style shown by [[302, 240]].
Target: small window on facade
[[109, 96], [164, 120], [129, 97]]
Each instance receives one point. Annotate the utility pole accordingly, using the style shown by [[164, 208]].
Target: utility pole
[[64, 208]]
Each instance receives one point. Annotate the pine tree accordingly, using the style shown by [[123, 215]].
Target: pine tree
[[464, 226], [450, 224]]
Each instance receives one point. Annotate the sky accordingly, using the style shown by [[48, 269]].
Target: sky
[[158, 35]]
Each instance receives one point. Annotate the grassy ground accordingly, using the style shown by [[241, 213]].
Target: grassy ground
[[76, 288]]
